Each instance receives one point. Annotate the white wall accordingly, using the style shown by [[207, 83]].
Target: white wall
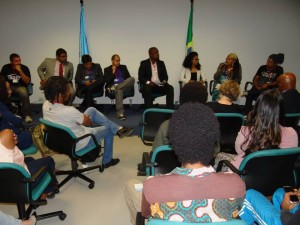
[[252, 29]]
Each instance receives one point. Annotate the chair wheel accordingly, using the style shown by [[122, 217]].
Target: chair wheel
[[62, 216], [91, 186], [101, 169]]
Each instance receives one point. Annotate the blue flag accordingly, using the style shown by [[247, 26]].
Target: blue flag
[[83, 45], [189, 37]]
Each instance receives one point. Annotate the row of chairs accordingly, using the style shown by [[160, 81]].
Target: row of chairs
[[16, 182], [264, 171]]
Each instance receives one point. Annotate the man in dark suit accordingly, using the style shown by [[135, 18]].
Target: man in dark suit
[[153, 77], [118, 80], [291, 97], [89, 79]]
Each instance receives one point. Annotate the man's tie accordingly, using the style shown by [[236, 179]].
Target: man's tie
[[61, 70]]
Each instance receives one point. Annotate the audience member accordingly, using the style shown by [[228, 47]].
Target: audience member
[[192, 69], [57, 67], [57, 93], [291, 97], [10, 120], [18, 75], [153, 77], [264, 79], [229, 92], [259, 210], [229, 70], [187, 190], [9, 220], [118, 80], [263, 130], [191, 92], [9, 152], [89, 79]]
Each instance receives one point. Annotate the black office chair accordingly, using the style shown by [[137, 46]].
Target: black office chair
[[291, 120], [267, 170], [151, 121], [154, 95], [16, 187], [98, 94], [162, 160], [62, 140], [230, 125]]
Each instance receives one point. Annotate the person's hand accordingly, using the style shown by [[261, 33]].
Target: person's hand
[[264, 86], [18, 68], [152, 84], [286, 204], [87, 121], [43, 82]]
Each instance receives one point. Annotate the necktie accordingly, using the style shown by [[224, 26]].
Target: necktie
[[61, 70]]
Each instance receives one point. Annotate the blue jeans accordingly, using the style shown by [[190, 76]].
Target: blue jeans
[[107, 130], [257, 208]]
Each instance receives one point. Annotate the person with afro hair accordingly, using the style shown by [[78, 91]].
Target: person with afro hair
[[187, 193]]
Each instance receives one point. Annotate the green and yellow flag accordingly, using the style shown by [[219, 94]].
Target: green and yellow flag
[[189, 38]]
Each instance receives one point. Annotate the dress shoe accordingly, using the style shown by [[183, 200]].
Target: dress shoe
[[112, 162], [121, 117], [124, 132]]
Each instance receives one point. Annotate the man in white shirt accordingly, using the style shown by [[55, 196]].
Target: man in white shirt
[[57, 94]]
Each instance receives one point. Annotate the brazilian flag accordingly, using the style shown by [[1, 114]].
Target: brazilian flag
[[189, 38]]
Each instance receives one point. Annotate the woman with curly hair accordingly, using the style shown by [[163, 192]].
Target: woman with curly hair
[[10, 120], [186, 194], [263, 130], [229, 70], [192, 69]]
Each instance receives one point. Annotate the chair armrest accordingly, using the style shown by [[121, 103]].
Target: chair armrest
[[29, 88], [230, 166], [36, 175], [86, 136], [247, 84], [211, 84]]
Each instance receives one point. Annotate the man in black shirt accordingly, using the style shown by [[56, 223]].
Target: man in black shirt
[[18, 75]]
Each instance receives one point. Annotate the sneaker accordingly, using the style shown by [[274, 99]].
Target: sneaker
[[121, 117], [28, 119], [112, 162], [124, 132]]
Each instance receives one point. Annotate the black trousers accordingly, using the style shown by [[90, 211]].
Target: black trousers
[[167, 90]]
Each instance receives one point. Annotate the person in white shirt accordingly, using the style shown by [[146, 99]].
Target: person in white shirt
[[57, 94]]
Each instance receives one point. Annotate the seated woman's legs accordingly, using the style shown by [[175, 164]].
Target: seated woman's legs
[[34, 165]]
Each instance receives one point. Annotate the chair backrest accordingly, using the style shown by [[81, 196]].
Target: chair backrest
[[291, 120], [152, 119], [164, 160], [230, 125], [12, 186], [59, 138], [267, 170], [165, 222]]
